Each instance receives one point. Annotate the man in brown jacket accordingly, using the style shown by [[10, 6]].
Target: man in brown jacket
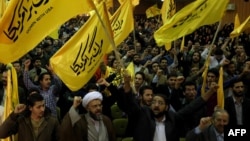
[[33, 123], [92, 126]]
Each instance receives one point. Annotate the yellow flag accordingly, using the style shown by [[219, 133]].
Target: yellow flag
[[76, 62], [54, 34], [134, 2], [8, 109], [131, 70], [12, 98], [245, 25], [168, 10], [153, 11], [236, 21], [204, 78], [109, 4], [188, 19], [25, 23], [182, 44], [122, 23], [204, 74], [220, 91], [2, 7]]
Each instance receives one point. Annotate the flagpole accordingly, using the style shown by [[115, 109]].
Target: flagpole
[[134, 40], [215, 35], [113, 45], [109, 37], [207, 62]]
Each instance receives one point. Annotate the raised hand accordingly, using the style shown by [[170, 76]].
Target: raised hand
[[77, 101], [27, 64], [205, 122], [19, 108]]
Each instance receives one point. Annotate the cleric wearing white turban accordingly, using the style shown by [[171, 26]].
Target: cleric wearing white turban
[[92, 126], [91, 96]]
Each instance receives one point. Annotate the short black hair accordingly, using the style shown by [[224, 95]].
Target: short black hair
[[218, 51], [142, 74], [35, 58], [91, 86], [32, 99], [214, 71], [41, 76], [165, 98], [172, 75], [143, 88], [33, 91], [235, 81], [188, 83]]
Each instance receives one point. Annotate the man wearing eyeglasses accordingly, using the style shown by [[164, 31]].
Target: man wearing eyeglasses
[[157, 122]]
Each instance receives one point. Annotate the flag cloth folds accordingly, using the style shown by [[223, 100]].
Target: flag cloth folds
[[12, 98], [220, 91], [204, 76], [153, 11], [182, 44], [55, 34], [190, 18], [122, 23], [26, 23], [168, 10], [2, 7], [134, 2], [109, 4], [245, 25], [236, 21], [131, 70], [80, 57]]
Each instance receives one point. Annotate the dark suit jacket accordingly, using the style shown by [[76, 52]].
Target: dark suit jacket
[[207, 135], [21, 94], [174, 97], [229, 106], [144, 120]]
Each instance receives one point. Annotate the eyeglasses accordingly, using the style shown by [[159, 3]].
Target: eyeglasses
[[158, 102]]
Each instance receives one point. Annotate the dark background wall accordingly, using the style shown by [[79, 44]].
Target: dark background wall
[[242, 7]]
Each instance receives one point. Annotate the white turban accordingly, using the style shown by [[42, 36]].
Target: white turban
[[91, 96]]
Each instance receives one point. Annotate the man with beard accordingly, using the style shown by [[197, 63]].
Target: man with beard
[[145, 95], [157, 122], [92, 126], [237, 105], [3, 88], [210, 128], [138, 65], [36, 70]]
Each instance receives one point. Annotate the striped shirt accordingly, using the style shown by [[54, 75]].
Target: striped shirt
[[48, 95]]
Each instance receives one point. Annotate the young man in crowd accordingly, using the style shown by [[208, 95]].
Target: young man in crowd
[[31, 122]]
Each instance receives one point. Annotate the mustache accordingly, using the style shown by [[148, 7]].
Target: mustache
[[156, 108]]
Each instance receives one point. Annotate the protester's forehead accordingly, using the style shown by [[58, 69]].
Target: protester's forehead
[[158, 98], [94, 102]]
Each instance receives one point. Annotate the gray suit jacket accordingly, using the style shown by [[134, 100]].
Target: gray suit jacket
[[207, 135]]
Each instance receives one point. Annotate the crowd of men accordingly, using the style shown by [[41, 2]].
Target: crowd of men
[[163, 100]]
